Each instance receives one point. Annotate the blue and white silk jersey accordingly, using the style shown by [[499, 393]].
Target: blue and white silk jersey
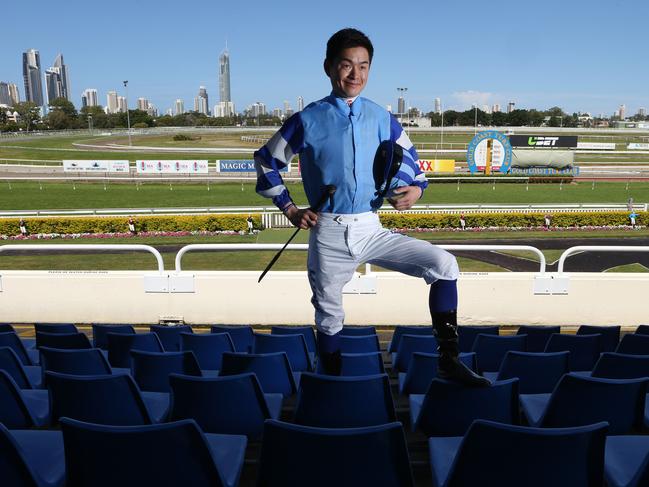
[[337, 144]]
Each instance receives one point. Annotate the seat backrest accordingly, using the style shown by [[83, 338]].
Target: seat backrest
[[233, 404], [449, 408], [584, 349], [423, 369], [359, 344], [76, 362], [100, 332], [579, 400], [11, 340], [610, 335], [401, 330], [642, 330], [55, 328], [11, 364], [170, 335], [491, 349], [273, 370], [294, 346], [537, 373], [292, 454], [151, 369], [242, 336], [14, 412], [137, 455], [529, 456], [467, 334], [355, 331], [537, 336], [361, 364], [207, 347], [16, 470], [612, 365], [6, 327], [306, 331], [121, 344], [102, 399], [410, 344], [62, 341], [344, 402], [634, 345]]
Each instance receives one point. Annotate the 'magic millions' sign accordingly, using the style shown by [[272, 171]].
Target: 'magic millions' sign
[[240, 165]]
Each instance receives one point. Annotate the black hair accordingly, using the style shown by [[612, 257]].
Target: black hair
[[345, 39]]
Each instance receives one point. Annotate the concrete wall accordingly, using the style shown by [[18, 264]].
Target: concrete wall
[[283, 298]]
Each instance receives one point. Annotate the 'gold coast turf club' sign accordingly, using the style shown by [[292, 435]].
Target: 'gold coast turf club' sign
[[489, 151]]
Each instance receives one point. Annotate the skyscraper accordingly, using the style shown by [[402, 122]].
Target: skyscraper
[[622, 111], [224, 76], [32, 77], [401, 105], [90, 97], [180, 107], [438, 106], [201, 103], [57, 82], [121, 104], [511, 106], [142, 104], [642, 111], [495, 108], [4, 94], [111, 102], [300, 103], [14, 96]]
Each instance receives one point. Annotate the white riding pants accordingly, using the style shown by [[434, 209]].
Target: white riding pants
[[338, 244]]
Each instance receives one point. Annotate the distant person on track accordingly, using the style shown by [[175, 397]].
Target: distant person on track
[[462, 222], [251, 225], [23, 227], [547, 221], [632, 219], [337, 138], [131, 226]]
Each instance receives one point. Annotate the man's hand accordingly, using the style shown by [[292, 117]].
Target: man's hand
[[303, 219], [405, 197]]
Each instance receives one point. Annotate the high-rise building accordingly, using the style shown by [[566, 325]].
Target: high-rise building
[[32, 77], [622, 112], [257, 109], [201, 103], [277, 112], [401, 105], [57, 82], [4, 94], [495, 108], [111, 102], [180, 107], [300, 103], [224, 109], [142, 104], [121, 104], [642, 111], [169, 112], [511, 106], [438, 105], [224, 76], [288, 111], [14, 95], [89, 98]]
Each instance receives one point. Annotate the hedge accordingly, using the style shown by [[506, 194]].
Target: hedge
[[237, 222]]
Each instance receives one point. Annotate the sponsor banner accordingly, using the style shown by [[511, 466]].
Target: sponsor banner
[[171, 166], [437, 165], [637, 146], [543, 141], [501, 152], [545, 171], [597, 145], [88, 165], [241, 165]]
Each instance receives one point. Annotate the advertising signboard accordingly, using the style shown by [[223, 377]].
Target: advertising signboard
[[171, 166], [241, 165], [501, 152], [89, 165], [437, 165], [543, 141], [596, 145]]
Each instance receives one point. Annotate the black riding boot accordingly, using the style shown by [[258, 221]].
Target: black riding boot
[[450, 367], [329, 353]]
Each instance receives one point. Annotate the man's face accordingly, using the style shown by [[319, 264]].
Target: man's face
[[349, 71]]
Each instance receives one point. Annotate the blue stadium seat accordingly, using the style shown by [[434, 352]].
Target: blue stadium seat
[[359, 344], [355, 330], [449, 408], [273, 370], [409, 344], [293, 456], [55, 328], [170, 335], [13, 341], [353, 364], [610, 335], [31, 458], [537, 336], [626, 463], [22, 408], [514, 456], [62, 341], [91, 361], [634, 345], [578, 401], [612, 365], [6, 328], [490, 350], [150, 455], [104, 399], [584, 349], [642, 330], [233, 404], [537, 372], [423, 369], [208, 349], [306, 331], [242, 336], [151, 369], [467, 335], [25, 376], [400, 330], [100, 332], [294, 345], [344, 402], [121, 344]]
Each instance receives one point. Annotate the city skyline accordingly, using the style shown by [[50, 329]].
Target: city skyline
[[537, 58]]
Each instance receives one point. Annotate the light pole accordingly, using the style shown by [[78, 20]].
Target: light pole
[[560, 121], [90, 124], [128, 117], [442, 139], [475, 124]]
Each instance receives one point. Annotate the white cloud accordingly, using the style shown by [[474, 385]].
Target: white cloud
[[466, 99]]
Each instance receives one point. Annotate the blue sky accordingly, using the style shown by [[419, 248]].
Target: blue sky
[[580, 55]]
